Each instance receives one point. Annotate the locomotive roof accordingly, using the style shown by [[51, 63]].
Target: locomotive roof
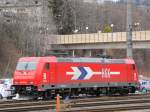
[[101, 60], [79, 59]]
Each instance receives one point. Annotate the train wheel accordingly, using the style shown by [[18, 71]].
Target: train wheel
[[35, 96], [47, 95], [132, 89], [124, 92]]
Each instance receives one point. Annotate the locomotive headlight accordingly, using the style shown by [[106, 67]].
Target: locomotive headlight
[[30, 82], [16, 82]]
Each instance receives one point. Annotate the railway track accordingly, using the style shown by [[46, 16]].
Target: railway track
[[82, 105], [132, 96]]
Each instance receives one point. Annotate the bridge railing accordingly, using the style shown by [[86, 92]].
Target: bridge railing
[[100, 37]]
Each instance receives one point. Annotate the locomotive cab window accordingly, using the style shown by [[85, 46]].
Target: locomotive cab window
[[26, 65], [46, 66]]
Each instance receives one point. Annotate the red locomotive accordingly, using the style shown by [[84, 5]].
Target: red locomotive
[[47, 76]]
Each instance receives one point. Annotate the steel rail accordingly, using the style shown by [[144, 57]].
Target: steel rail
[[82, 106], [111, 108], [102, 98]]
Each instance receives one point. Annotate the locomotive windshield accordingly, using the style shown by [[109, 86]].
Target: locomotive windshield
[[26, 66]]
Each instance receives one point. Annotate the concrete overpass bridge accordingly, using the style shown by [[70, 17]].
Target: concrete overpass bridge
[[115, 40]]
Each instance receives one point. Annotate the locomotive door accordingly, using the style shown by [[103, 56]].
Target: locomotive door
[[46, 73]]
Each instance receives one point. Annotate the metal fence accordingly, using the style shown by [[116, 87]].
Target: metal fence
[[100, 37]]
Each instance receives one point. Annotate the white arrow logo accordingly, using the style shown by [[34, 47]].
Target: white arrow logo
[[85, 73], [76, 74]]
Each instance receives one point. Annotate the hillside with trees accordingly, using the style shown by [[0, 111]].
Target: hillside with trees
[[22, 35], [96, 16]]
